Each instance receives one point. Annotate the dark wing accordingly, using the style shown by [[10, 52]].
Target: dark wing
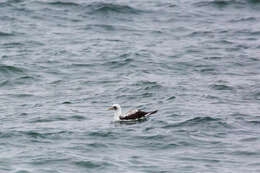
[[136, 114]]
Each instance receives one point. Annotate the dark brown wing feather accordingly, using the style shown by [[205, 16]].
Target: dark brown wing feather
[[137, 115]]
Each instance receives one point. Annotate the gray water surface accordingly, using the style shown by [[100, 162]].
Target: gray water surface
[[63, 63]]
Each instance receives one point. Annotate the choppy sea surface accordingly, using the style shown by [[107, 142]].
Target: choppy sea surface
[[64, 62]]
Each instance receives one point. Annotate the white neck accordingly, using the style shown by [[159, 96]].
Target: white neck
[[117, 114]]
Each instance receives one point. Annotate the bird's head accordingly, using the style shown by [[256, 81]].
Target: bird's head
[[115, 107]]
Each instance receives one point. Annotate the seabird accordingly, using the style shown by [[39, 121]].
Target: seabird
[[130, 115]]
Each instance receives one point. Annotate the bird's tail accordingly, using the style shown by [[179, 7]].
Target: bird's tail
[[153, 112]]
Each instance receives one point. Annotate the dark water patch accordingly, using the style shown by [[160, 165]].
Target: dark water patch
[[87, 164], [254, 2], [221, 87], [81, 65], [24, 95], [147, 94], [97, 145], [169, 146], [239, 115], [106, 27], [200, 33], [256, 95], [171, 98], [34, 134], [253, 59], [105, 8], [119, 63], [5, 83], [219, 3], [253, 122], [67, 103], [15, 1], [245, 153], [152, 87], [211, 97], [13, 45], [248, 32], [208, 70], [226, 42], [8, 70], [26, 80], [48, 161], [213, 58], [204, 160], [245, 19], [252, 139], [17, 81], [148, 85], [92, 164], [78, 117], [22, 171], [8, 134], [63, 4], [5, 34], [252, 95], [145, 82], [105, 134], [45, 135]]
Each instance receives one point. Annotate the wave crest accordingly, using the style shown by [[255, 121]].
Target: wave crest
[[110, 7]]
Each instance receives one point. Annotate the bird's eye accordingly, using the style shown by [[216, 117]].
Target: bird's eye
[[115, 107]]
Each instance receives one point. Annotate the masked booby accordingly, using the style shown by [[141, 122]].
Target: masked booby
[[130, 115]]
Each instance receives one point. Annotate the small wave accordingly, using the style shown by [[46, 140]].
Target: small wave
[[34, 134], [13, 44], [5, 34], [112, 8], [10, 70], [119, 64], [78, 117], [253, 1], [63, 3], [254, 122], [22, 171], [148, 85], [208, 70], [101, 134], [256, 95], [97, 145], [199, 33], [213, 58], [87, 164], [218, 3], [244, 19], [91, 164], [44, 120], [102, 26], [221, 87], [198, 121], [245, 153], [171, 98], [67, 102], [15, 1], [17, 81], [5, 83]]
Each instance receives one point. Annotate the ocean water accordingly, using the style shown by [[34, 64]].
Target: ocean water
[[64, 62]]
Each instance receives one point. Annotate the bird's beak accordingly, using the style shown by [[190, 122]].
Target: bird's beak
[[111, 108]]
